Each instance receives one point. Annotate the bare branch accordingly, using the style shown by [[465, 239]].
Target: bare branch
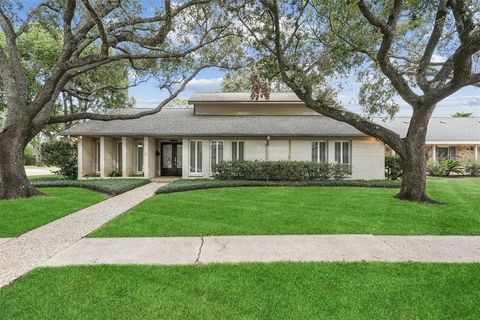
[[100, 27], [34, 12]]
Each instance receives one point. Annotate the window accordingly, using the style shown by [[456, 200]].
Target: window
[[195, 156], [216, 152], [446, 153], [342, 152], [319, 151], [97, 156], [139, 156], [238, 151], [118, 155]]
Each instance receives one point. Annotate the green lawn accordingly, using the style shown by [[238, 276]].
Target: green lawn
[[303, 210], [21, 215], [247, 291]]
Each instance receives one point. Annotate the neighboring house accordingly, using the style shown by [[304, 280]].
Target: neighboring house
[[229, 126]]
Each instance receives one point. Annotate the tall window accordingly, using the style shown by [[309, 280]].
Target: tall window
[[216, 152], [238, 150], [319, 151], [342, 152], [97, 156], [139, 156], [119, 157], [195, 156]]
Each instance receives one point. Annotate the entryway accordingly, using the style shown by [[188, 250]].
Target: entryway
[[170, 159]]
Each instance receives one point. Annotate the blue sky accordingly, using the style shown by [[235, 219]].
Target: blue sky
[[148, 95]]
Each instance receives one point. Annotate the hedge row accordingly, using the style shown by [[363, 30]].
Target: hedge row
[[280, 170], [108, 186], [190, 185]]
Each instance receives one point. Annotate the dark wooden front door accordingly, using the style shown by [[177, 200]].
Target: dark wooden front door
[[171, 162]]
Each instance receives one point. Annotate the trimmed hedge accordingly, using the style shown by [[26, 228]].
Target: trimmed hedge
[[108, 186], [279, 170], [198, 184]]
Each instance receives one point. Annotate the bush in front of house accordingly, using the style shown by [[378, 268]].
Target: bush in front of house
[[279, 171], [443, 167], [29, 156], [62, 154], [108, 186], [472, 167], [200, 184], [393, 167]]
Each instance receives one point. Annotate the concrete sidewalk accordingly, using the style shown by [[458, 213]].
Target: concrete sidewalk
[[30, 250], [236, 249]]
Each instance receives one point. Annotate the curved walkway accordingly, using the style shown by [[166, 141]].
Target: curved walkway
[[30, 250], [301, 248]]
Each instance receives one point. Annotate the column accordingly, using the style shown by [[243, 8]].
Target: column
[[107, 152], [86, 156], [149, 149], [128, 157]]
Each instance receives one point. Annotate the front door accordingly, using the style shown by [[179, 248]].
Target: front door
[[171, 159]]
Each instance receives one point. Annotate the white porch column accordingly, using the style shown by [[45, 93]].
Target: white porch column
[[331, 151], [86, 156], [106, 156], [476, 153], [149, 149], [128, 157], [434, 153]]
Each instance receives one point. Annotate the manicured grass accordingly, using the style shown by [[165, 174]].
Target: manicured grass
[[303, 210], [21, 215], [108, 186], [248, 291]]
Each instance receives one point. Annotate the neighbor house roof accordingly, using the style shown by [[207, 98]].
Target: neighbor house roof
[[441, 128], [204, 97], [183, 122]]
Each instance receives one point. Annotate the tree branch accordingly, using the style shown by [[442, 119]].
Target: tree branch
[[110, 117]]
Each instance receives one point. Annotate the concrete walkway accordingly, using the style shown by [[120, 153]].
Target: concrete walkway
[[33, 248], [235, 249]]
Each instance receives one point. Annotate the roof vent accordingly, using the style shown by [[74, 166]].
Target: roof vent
[[406, 121], [443, 121]]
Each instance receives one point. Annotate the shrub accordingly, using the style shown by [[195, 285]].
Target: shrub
[[29, 156], [393, 167], [472, 167], [279, 170], [108, 186], [199, 184], [62, 154], [443, 168]]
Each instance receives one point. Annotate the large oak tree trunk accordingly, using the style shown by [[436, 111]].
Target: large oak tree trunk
[[414, 181], [414, 158], [13, 178]]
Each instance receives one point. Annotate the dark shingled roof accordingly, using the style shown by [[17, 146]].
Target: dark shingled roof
[[182, 122]]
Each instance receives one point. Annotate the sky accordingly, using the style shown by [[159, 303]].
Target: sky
[[148, 95]]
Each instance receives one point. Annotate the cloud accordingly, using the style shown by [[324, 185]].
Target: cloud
[[205, 85]]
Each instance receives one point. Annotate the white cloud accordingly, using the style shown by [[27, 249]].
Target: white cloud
[[205, 85]]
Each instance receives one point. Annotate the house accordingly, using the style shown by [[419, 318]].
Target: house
[[187, 142]]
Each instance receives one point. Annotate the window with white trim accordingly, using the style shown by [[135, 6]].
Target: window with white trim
[[118, 156], [319, 151], [238, 150], [139, 157], [216, 152], [342, 152], [195, 156], [97, 156], [449, 152]]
